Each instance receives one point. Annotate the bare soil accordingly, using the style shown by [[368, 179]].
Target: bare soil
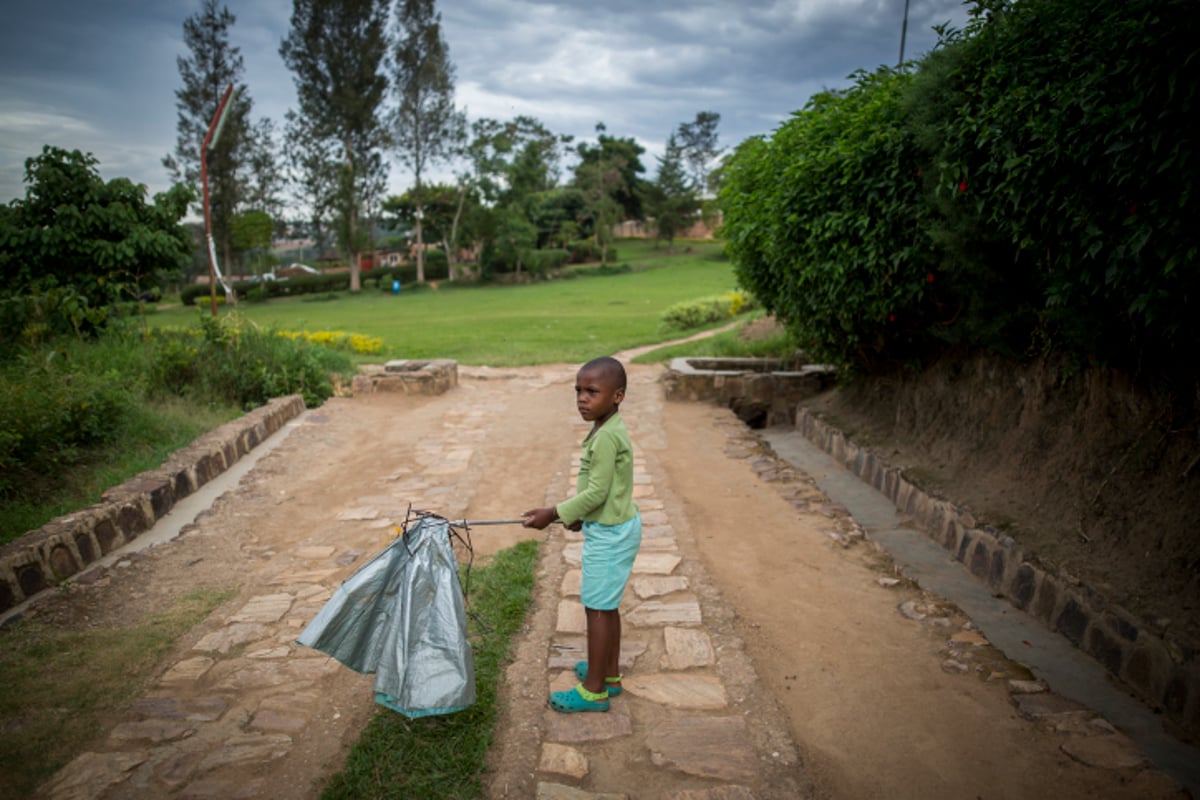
[[816, 646]]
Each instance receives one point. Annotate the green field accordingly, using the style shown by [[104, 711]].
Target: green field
[[560, 320]]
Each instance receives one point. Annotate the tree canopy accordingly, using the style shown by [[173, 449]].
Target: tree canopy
[[98, 242]]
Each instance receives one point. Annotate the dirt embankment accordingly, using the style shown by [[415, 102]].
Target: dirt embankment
[[1097, 477]]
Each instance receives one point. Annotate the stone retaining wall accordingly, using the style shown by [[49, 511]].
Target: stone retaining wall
[[67, 545], [1163, 673], [437, 376], [756, 389]]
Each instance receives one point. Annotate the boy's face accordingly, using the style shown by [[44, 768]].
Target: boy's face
[[596, 394]]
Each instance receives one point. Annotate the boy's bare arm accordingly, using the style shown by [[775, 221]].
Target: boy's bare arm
[[539, 517]]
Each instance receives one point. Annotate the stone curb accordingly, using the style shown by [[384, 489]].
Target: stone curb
[[66, 545], [752, 387], [1161, 672]]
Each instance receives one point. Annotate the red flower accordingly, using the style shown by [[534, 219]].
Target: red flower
[[962, 187], [891, 317], [929, 278]]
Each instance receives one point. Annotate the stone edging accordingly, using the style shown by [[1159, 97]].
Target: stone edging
[[66, 545], [1164, 674]]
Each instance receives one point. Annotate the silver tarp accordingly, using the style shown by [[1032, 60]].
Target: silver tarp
[[402, 617]]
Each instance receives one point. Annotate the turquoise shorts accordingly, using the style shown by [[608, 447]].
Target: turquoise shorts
[[608, 553]]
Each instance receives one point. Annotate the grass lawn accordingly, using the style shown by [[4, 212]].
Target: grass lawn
[[564, 320]]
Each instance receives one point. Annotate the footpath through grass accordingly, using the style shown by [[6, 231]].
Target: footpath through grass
[[562, 320]]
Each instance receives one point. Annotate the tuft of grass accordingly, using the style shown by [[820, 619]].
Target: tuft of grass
[[443, 758], [147, 435], [60, 685]]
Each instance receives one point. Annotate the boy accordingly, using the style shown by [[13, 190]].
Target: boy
[[612, 531]]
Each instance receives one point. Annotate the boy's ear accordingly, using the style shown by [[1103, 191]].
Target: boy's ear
[[619, 395]]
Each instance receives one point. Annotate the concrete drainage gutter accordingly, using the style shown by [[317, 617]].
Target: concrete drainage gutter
[[1162, 673], [69, 544], [759, 390]]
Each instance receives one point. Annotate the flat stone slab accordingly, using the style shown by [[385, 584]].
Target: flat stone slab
[[652, 563], [315, 552], [1037, 706], [89, 774], [565, 654], [716, 793], [563, 760], [710, 747], [679, 690], [557, 791], [571, 583], [657, 532], [231, 636], [189, 670], [304, 576], [1114, 751], [588, 727], [571, 617], [654, 586], [358, 514], [650, 518], [199, 709], [151, 731], [686, 648], [264, 608], [250, 748], [573, 554], [273, 721], [659, 545], [658, 612]]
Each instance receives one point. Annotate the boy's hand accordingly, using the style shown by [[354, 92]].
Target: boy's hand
[[539, 517], [576, 526]]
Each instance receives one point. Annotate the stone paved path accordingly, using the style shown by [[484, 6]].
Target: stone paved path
[[242, 711]]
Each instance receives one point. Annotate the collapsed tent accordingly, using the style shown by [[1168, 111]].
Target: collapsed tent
[[401, 616]]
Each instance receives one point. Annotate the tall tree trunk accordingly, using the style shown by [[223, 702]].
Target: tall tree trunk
[[352, 221]]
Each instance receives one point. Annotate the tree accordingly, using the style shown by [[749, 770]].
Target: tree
[[252, 230], [335, 49], [673, 200], [426, 126], [626, 155], [444, 208], [79, 244], [698, 139], [212, 64]]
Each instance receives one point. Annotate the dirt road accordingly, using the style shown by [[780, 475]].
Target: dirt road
[[842, 695]]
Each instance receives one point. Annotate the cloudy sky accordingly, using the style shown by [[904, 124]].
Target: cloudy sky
[[101, 76]]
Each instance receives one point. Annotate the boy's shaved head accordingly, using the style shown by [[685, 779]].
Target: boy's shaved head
[[610, 368]]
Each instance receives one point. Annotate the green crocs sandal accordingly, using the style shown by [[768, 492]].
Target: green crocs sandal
[[578, 699], [581, 673]]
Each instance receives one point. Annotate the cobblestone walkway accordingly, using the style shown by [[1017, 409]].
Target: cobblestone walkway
[[235, 713]]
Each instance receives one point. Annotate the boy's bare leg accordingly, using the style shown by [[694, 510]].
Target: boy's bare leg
[[600, 633], [613, 665]]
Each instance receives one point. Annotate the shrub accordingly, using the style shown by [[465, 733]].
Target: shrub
[[707, 310], [52, 408], [229, 360]]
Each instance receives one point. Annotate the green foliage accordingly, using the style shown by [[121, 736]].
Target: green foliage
[[228, 359], [52, 409], [1070, 154], [824, 222], [446, 756], [75, 245], [707, 310], [1030, 189]]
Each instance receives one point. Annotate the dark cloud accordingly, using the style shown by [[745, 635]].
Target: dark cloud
[[101, 77]]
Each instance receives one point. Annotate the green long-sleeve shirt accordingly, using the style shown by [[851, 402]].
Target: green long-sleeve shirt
[[604, 489]]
